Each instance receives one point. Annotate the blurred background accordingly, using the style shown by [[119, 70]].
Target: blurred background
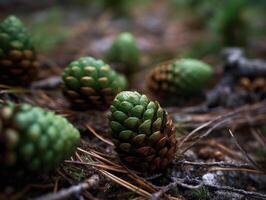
[[66, 29]]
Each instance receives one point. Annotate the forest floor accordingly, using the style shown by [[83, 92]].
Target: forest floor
[[221, 152]]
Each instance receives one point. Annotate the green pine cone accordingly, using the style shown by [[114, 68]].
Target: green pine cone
[[124, 52], [181, 77], [18, 65], [32, 139], [91, 83], [143, 134]]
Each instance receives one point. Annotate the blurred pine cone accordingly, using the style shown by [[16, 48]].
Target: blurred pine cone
[[181, 77], [124, 52], [143, 135], [32, 139], [18, 65], [90, 83], [256, 85]]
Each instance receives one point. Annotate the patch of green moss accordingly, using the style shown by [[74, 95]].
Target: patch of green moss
[[201, 193]]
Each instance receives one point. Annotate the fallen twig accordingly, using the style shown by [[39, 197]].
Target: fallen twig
[[73, 190], [158, 195], [200, 184], [214, 164], [254, 195]]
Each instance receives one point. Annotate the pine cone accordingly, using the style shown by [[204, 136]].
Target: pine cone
[[181, 77], [90, 83], [143, 135], [32, 139], [124, 52], [18, 65], [256, 85]]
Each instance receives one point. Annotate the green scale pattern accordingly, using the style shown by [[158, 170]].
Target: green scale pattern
[[32, 139], [124, 53], [91, 83], [143, 134], [181, 77], [18, 65]]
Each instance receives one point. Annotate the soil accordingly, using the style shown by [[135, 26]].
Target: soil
[[211, 162]]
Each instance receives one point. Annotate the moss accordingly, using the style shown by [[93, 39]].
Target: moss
[[200, 194]]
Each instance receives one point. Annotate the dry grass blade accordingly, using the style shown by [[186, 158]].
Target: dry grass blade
[[145, 184], [119, 180], [148, 186], [103, 154], [236, 169], [244, 112], [246, 115], [244, 152], [99, 157], [5, 89], [202, 136], [102, 166], [14, 91], [194, 131], [259, 137], [106, 165], [99, 136], [2, 86], [126, 184]]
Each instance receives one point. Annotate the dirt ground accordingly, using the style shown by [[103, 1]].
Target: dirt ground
[[221, 152]]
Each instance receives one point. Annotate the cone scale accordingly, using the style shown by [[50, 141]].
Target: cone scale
[[181, 77], [18, 65], [32, 139], [124, 53], [91, 83], [143, 134]]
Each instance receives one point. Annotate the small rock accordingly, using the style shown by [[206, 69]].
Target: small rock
[[209, 179]]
